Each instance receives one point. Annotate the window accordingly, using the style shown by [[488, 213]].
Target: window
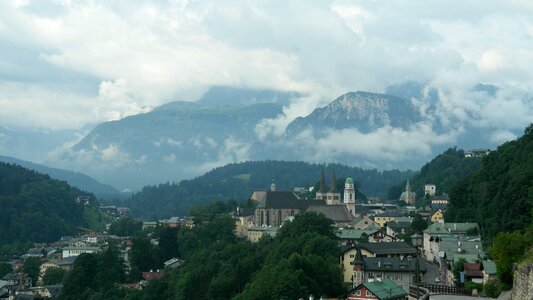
[[369, 293], [352, 255], [358, 293]]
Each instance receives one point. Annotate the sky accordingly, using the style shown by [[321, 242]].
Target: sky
[[64, 64], [68, 65]]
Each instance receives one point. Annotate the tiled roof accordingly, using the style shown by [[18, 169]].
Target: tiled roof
[[398, 225], [354, 234], [385, 289], [393, 264], [282, 200], [389, 248], [336, 213], [389, 214], [447, 228], [384, 248], [489, 267], [470, 250]]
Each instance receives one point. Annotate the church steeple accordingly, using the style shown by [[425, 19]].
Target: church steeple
[[408, 186], [273, 185], [322, 182], [333, 186]]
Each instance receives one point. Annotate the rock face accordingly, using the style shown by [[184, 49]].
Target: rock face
[[523, 283], [361, 110]]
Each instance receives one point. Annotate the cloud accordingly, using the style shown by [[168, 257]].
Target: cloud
[[382, 146], [85, 62]]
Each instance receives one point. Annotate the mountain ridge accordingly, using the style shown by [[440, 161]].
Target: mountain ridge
[[75, 179]]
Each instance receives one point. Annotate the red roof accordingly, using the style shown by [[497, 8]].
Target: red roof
[[471, 266], [473, 270], [149, 276]]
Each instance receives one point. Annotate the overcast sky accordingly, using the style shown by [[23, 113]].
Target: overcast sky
[[67, 63]]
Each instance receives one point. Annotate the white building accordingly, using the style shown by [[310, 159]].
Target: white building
[[430, 189], [75, 251]]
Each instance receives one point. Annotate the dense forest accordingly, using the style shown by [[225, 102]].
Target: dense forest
[[301, 260], [500, 195], [36, 208], [445, 171], [237, 182]]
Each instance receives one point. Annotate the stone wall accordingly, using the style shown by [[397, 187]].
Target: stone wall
[[523, 283]]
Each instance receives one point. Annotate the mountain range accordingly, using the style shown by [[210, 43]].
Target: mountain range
[[402, 128]]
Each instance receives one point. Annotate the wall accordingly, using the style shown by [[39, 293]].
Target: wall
[[523, 283]]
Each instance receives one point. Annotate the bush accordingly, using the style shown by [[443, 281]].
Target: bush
[[492, 288]]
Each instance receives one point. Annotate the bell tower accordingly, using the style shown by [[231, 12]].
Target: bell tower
[[349, 195]]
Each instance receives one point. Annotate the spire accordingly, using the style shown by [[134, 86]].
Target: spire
[[273, 185], [322, 182], [333, 187], [408, 187], [358, 259]]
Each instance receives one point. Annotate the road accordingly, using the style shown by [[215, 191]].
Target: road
[[431, 273]]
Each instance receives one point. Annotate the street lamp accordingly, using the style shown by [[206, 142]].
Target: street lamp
[[416, 240]]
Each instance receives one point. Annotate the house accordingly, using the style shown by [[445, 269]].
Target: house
[[173, 263], [477, 153], [437, 217], [401, 269], [473, 272], [149, 224], [446, 231], [387, 217], [364, 222], [430, 189], [350, 236], [450, 250], [45, 266], [440, 202], [149, 276], [173, 222], [92, 238], [399, 250], [244, 219], [385, 289], [75, 251], [63, 263], [395, 228], [255, 233]]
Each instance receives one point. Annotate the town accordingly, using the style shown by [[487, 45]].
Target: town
[[387, 251]]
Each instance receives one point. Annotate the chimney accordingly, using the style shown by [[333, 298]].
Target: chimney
[[379, 264]]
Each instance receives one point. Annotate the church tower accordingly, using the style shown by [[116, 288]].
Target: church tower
[[333, 196], [321, 193], [358, 268], [273, 186], [349, 195]]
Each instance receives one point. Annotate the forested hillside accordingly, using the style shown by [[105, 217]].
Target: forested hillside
[[445, 171], [35, 208], [75, 179], [238, 181], [500, 195], [301, 260]]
